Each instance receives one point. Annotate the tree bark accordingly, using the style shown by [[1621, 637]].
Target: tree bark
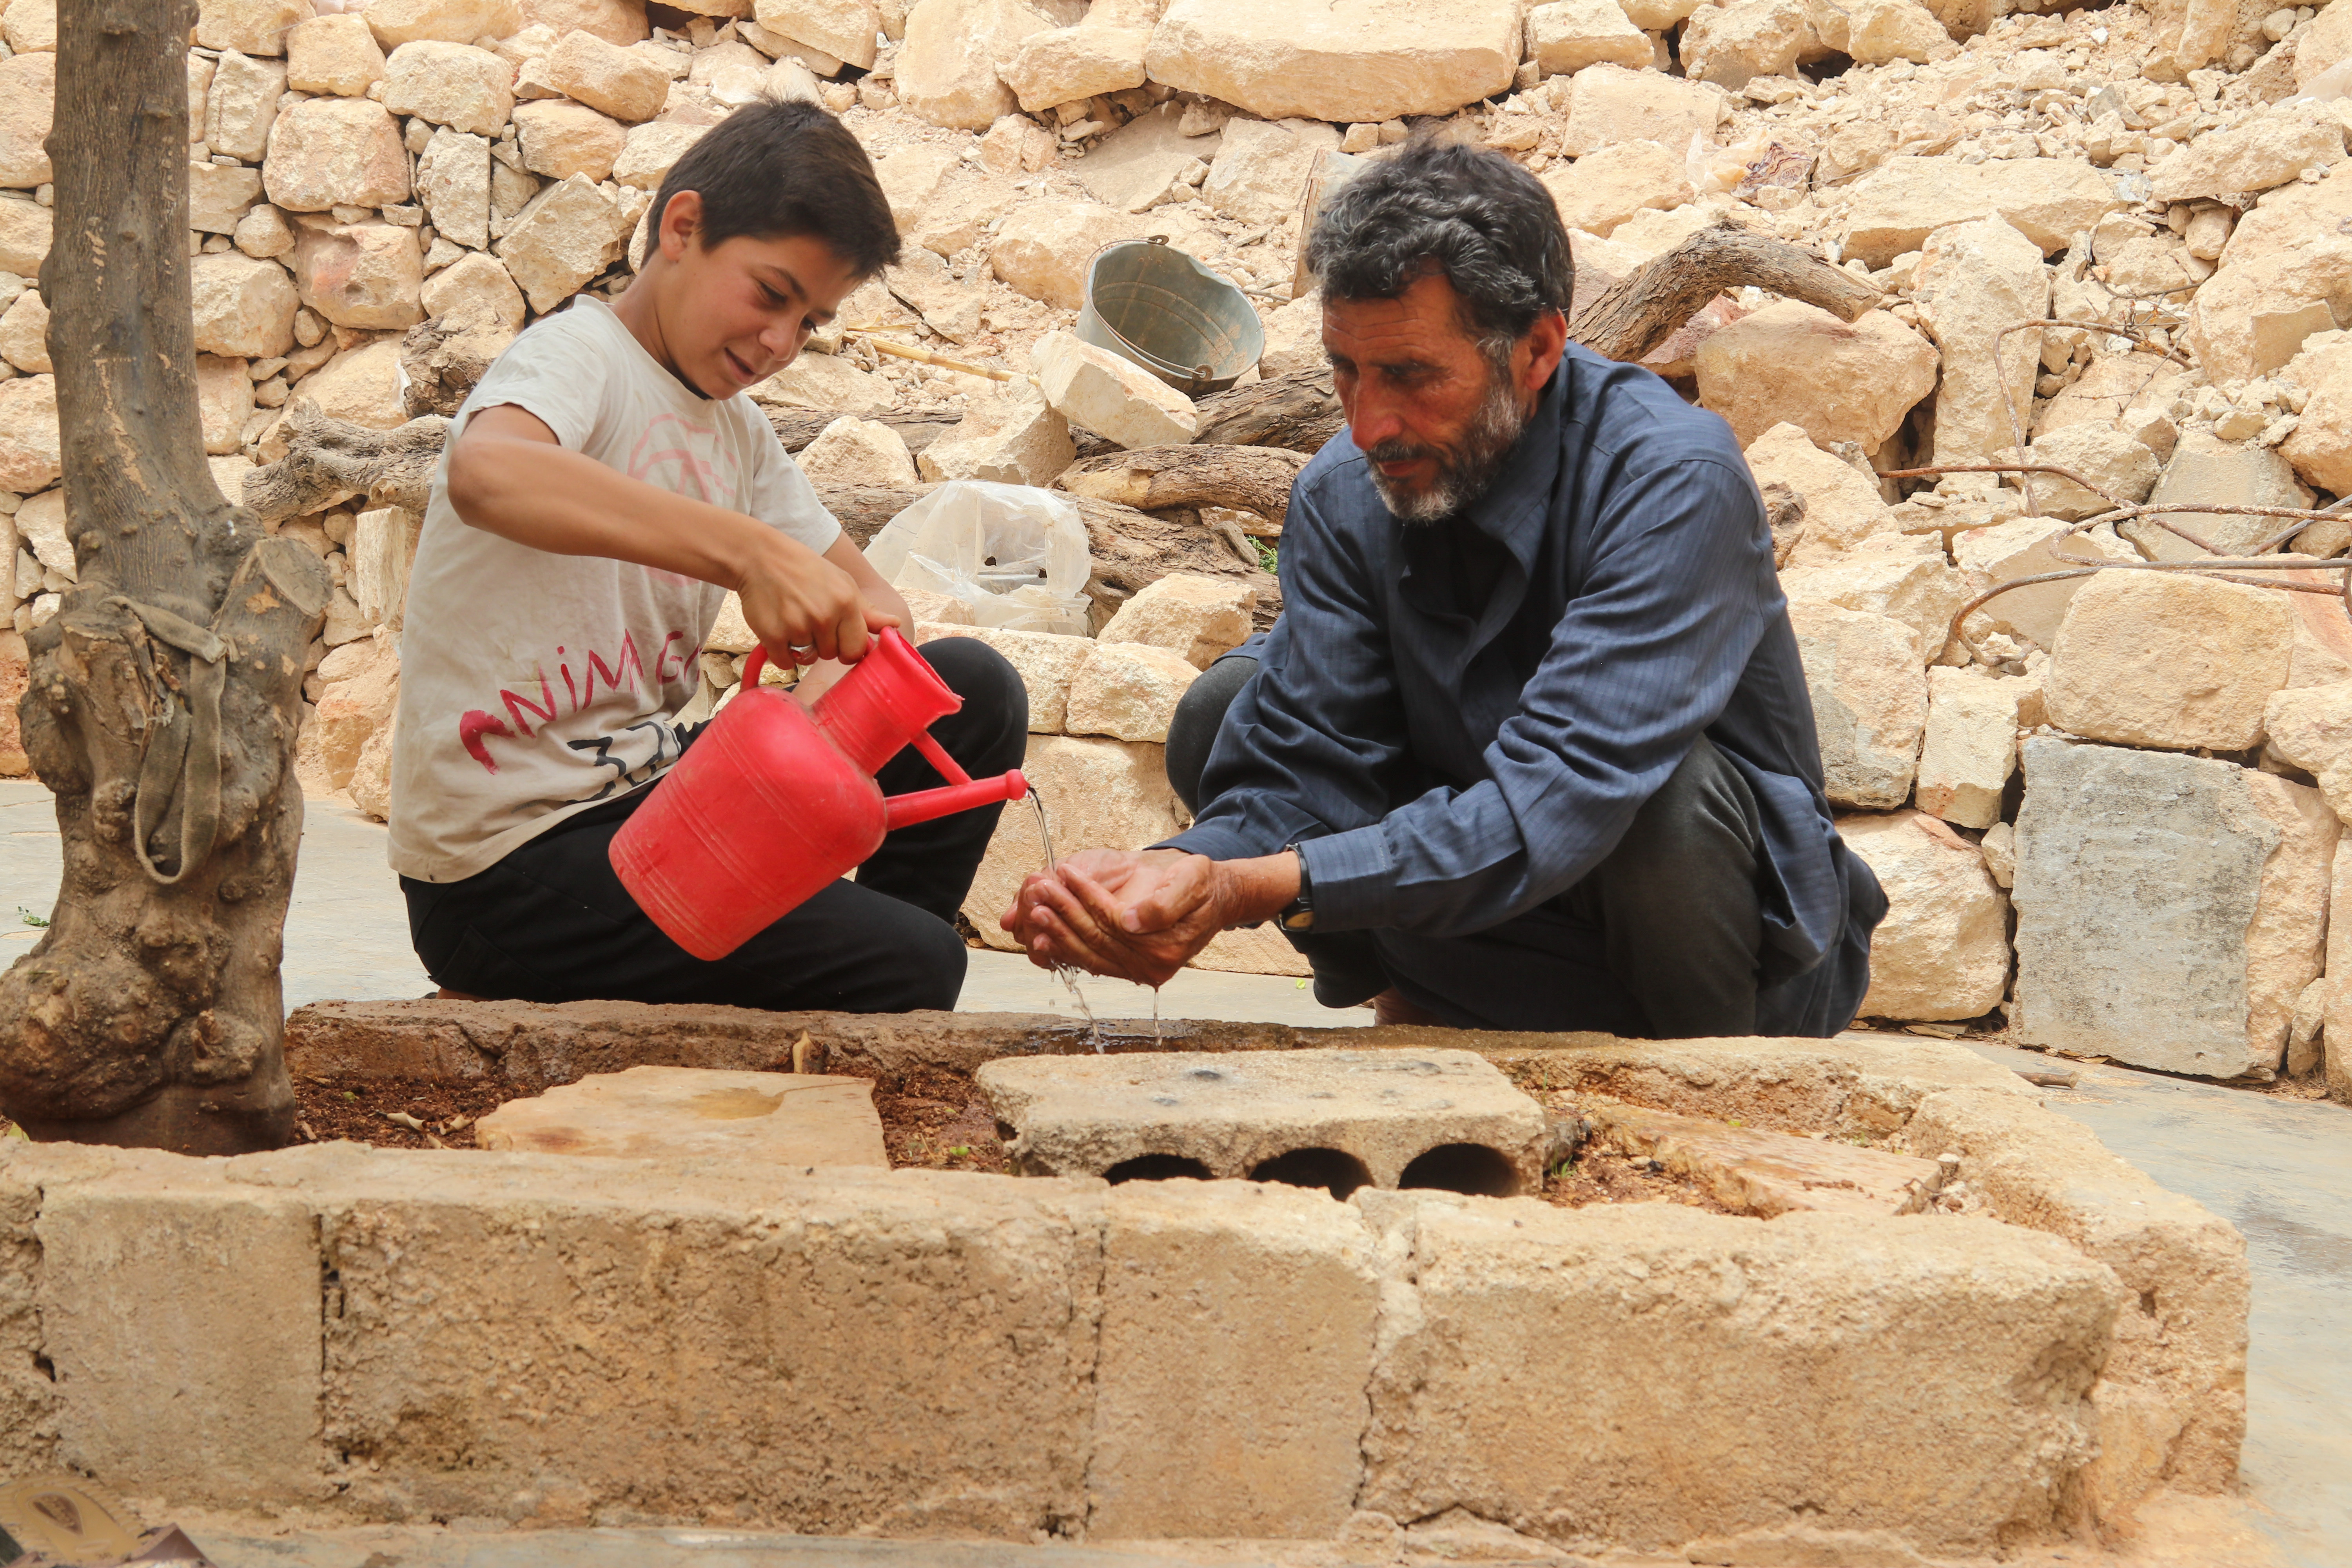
[[1155, 478], [329, 461], [165, 694], [1644, 307], [1300, 411]]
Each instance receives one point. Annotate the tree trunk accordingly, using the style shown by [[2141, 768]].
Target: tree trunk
[[165, 694], [1644, 307], [1156, 478]]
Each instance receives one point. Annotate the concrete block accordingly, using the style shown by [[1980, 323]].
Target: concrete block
[[2170, 910], [1237, 1331], [1925, 1376], [28, 1398], [1340, 1119], [761, 1118], [1115, 399], [181, 1312], [894, 1354]]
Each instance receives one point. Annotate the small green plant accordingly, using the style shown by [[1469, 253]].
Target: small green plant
[[29, 918], [960, 1152], [1267, 555]]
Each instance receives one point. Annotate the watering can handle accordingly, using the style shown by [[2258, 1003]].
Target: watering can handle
[[933, 753]]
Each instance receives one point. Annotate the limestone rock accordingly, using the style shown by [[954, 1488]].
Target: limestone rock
[[244, 307], [1732, 45], [1200, 618], [361, 384], [854, 451], [2105, 455], [2321, 448], [242, 105], [382, 550], [456, 85], [30, 448], [335, 151], [2320, 47], [1970, 747], [1114, 397], [1975, 279], [2268, 150], [1065, 65], [842, 29], [15, 677], [219, 195], [1604, 188], [2131, 392], [1842, 508], [2312, 729], [334, 55], [1880, 31], [568, 235], [398, 22], [1943, 949], [1261, 168], [568, 140], [26, 229], [1012, 437], [370, 786], [1792, 363], [453, 182], [2024, 547], [1608, 103], [947, 66], [359, 274], [359, 698], [616, 81], [2251, 317], [2206, 468], [1129, 692], [1566, 36], [1901, 577], [28, 92], [826, 382], [24, 332], [1895, 207], [31, 26], [224, 403], [41, 529], [1044, 247], [2289, 215], [1047, 663], [1111, 795], [264, 234], [621, 22], [2173, 662], [2170, 909], [759, 1120], [1870, 703], [249, 26], [648, 150], [1348, 61]]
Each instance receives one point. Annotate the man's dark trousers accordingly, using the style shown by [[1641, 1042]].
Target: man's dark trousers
[[552, 922], [1660, 941]]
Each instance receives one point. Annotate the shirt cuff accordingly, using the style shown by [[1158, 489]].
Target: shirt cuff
[[1353, 877]]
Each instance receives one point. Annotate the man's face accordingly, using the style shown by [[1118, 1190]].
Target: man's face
[[740, 311], [1423, 403]]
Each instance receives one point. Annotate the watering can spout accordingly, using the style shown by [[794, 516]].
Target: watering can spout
[[923, 806]]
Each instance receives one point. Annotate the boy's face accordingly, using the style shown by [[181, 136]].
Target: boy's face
[[738, 313]]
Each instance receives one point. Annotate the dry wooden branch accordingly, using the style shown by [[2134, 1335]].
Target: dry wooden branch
[[164, 694], [1300, 411], [1155, 478], [328, 461], [1642, 309], [796, 427]]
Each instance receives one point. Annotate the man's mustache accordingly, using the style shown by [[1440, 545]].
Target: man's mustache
[[1402, 452]]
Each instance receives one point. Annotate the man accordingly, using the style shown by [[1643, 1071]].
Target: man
[[1530, 747]]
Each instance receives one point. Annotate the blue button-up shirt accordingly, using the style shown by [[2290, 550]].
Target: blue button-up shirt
[[1447, 763]]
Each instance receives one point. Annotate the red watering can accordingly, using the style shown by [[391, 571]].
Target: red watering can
[[772, 801]]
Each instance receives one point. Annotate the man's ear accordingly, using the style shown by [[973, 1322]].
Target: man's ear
[[681, 222], [1546, 343]]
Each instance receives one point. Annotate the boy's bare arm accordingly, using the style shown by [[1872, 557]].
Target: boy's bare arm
[[510, 476]]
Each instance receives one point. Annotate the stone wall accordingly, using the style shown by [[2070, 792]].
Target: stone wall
[[2139, 176]]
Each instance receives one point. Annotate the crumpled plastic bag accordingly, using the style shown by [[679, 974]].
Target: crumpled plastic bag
[[1016, 556]]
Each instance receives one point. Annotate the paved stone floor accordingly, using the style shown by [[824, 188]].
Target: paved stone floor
[[2280, 1170]]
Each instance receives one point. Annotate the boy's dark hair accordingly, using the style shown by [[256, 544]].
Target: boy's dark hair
[[1472, 213], [776, 168]]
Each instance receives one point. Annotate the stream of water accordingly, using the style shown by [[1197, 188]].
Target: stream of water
[[1068, 975]]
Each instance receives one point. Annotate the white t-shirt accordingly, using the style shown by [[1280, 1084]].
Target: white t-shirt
[[533, 686]]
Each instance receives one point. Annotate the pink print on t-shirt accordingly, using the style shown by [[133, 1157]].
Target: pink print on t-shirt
[[683, 459]]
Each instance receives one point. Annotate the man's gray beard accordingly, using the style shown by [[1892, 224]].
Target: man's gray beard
[[1462, 475]]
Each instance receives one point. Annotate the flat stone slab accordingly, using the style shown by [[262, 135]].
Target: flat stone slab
[[664, 1112], [1336, 1119], [1764, 1173]]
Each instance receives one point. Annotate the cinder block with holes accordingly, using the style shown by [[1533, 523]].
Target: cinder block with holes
[[1337, 1120]]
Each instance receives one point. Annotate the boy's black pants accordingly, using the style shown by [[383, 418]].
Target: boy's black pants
[[552, 922]]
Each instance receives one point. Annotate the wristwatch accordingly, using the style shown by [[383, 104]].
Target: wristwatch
[[1300, 913]]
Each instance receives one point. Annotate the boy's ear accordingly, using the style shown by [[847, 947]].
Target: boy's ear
[[681, 222]]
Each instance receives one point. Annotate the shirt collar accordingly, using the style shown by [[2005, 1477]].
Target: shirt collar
[[1515, 509]]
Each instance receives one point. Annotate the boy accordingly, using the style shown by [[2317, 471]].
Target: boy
[[603, 489]]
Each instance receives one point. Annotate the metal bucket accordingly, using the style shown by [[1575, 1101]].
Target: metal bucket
[[1152, 303]]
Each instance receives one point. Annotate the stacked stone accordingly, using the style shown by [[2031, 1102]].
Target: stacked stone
[[2136, 174]]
